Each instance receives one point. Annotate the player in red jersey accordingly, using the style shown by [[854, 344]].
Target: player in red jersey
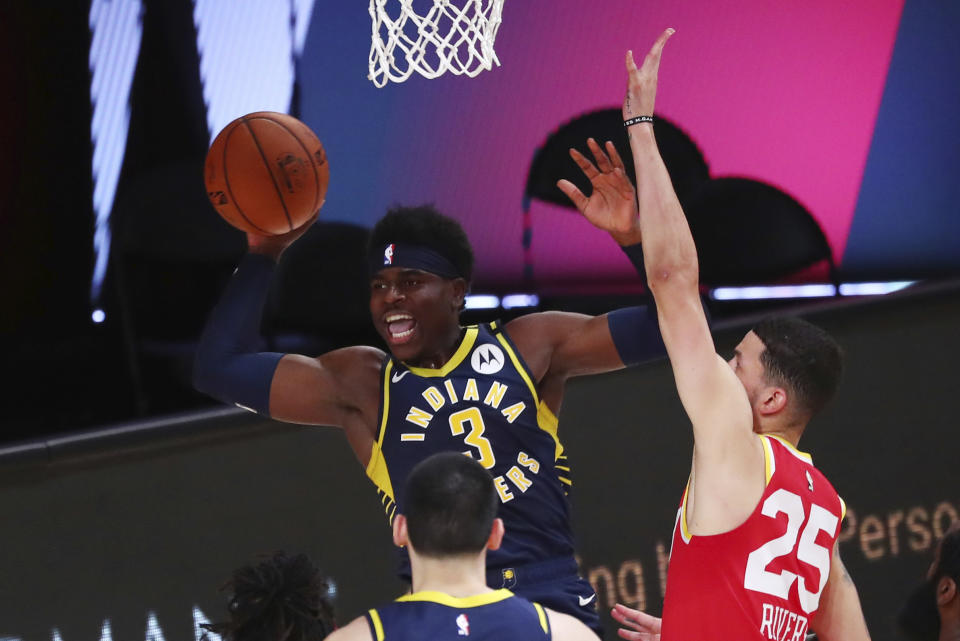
[[754, 550]]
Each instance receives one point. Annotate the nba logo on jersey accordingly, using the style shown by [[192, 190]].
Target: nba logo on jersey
[[388, 255], [487, 359], [463, 625]]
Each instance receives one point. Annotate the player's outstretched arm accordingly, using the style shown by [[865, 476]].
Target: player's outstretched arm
[[712, 395], [564, 627], [330, 390], [638, 625], [557, 345], [840, 617]]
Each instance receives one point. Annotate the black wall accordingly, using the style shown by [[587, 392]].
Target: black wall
[[135, 530]]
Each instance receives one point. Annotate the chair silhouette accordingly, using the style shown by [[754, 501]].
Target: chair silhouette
[[320, 295], [551, 162], [746, 231], [749, 232], [172, 256]]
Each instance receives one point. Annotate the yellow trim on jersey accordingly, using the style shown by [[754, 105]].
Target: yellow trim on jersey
[[843, 508], [803, 456], [548, 423], [684, 530], [468, 340], [458, 602], [543, 618], [520, 369], [377, 466], [377, 625], [769, 463], [546, 420]]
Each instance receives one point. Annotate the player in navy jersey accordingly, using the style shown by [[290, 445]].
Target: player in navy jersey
[[492, 392], [448, 525]]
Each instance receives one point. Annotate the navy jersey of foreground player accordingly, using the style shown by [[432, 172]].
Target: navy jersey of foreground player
[[438, 617], [484, 403]]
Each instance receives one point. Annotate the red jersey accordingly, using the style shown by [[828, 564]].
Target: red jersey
[[764, 578]]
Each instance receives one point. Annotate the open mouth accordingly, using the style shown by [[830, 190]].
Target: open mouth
[[400, 327]]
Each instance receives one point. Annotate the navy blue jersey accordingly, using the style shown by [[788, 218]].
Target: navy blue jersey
[[494, 616], [483, 403]]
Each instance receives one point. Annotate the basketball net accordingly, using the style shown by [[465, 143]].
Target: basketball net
[[445, 38]]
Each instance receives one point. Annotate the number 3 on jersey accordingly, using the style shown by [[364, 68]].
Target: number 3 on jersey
[[474, 437], [759, 579]]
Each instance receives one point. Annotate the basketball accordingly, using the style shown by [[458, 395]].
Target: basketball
[[266, 173]]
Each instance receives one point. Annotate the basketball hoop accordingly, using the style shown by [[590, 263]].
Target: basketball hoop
[[453, 35]]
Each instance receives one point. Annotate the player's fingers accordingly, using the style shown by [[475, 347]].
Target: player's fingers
[[652, 61], [615, 156], [602, 161], [574, 194], [631, 63], [621, 610], [622, 616], [630, 635], [585, 165]]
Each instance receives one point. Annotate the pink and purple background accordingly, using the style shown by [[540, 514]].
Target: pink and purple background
[[788, 93]]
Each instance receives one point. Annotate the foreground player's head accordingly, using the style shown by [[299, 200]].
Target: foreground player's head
[[933, 610], [421, 265], [790, 369], [450, 509], [282, 598]]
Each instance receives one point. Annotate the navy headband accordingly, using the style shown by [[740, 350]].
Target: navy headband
[[412, 257]]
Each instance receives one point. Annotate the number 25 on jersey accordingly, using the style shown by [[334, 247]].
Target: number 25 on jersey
[[758, 578]]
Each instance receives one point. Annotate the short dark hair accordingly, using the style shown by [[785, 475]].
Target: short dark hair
[[425, 226], [919, 618], [803, 358], [450, 504], [948, 563], [282, 598]]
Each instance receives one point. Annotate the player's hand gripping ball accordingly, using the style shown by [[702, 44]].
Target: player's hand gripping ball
[[266, 173]]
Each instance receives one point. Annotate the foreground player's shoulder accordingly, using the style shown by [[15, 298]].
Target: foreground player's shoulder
[[357, 630], [564, 627]]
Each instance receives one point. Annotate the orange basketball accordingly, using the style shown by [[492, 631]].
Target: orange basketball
[[266, 173]]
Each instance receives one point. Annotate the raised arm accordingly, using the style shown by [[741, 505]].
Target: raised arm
[[336, 389], [559, 345], [727, 457], [840, 617]]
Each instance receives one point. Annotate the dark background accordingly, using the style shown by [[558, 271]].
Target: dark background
[[148, 521], [171, 255], [142, 524]]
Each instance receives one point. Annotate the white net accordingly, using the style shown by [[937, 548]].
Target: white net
[[451, 35]]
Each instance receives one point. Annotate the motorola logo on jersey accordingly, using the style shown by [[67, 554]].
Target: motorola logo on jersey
[[487, 359]]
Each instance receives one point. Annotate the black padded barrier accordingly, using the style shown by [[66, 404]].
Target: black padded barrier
[[126, 533]]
